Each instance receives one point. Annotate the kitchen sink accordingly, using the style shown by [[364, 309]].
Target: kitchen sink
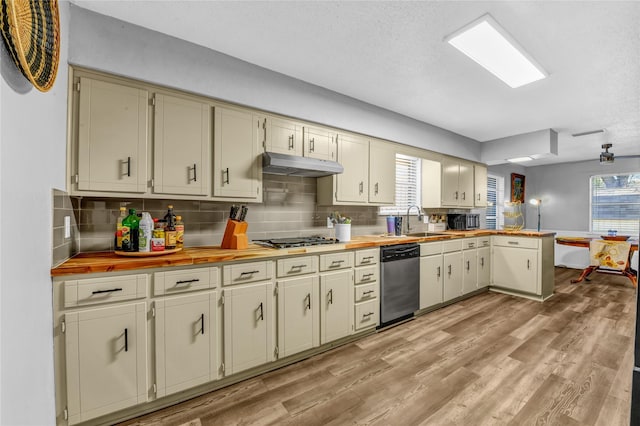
[[426, 234]]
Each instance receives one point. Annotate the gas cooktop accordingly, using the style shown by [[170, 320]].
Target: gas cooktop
[[295, 242]]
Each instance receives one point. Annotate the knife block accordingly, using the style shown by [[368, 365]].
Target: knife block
[[235, 236]]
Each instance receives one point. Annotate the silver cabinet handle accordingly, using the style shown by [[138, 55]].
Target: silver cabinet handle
[[312, 145], [468, 266], [515, 243], [482, 262], [528, 264], [225, 172], [464, 195], [367, 292], [376, 188], [456, 195], [195, 174], [367, 276], [195, 280], [368, 314], [438, 273], [449, 269], [291, 142], [472, 245], [128, 166], [261, 315], [297, 268], [478, 197], [330, 296], [336, 263], [126, 340], [202, 323], [308, 299], [361, 187], [111, 290]]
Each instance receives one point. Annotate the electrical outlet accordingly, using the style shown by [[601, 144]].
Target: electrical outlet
[[67, 226], [329, 223]]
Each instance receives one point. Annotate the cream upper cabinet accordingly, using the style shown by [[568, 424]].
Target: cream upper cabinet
[[248, 326], [480, 185], [431, 179], [237, 171], [382, 172], [106, 360], [352, 186], [283, 136], [336, 305], [319, 143], [182, 141], [298, 315], [457, 183], [112, 131], [186, 341]]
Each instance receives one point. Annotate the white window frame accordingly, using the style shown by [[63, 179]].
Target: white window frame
[[625, 231], [400, 184], [499, 204]]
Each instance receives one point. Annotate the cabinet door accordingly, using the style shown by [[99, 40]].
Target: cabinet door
[[480, 186], [182, 139], [248, 322], [298, 315], [186, 341], [484, 266], [469, 271], [106, 360], [336, 299], [432, 186], [465, 185], [284, 136], [352, 185], [319, 143], [452, 275], [112, 137], [237, 137], [431, 281], [516, 269], [450, 173], [382, 173]]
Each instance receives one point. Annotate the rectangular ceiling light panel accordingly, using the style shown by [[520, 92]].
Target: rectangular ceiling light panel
[[488, 44]]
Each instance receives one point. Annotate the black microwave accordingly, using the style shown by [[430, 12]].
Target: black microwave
[[463, 221]]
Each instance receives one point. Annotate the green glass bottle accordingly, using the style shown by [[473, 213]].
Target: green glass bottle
[[130, 227]]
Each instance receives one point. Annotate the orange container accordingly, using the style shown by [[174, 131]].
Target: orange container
[[235, 235]]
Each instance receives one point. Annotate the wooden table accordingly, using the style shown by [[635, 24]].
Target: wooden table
[[584, 242]]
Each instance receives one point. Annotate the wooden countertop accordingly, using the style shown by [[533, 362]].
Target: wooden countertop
[[96, 262]]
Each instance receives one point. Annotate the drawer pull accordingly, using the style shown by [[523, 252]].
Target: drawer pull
[[368, 314], [187, 281], [248, 273], [126, 340], [298, 266], [367, 276], [515, 243], [364, 293], [111, 290], [337, 262], [472, 245], [367, 259]]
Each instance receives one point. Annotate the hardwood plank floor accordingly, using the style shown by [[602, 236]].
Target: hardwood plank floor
[[493, 359]]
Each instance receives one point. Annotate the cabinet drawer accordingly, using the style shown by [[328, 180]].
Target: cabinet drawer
[[367, 314], [172, 282], [367, 257], [367, 274], [449, 246], [330, 262], [247, 272], [366, 292], [104, 290], [297, 266], [484, 242], [522, 242], [428, 249], [469, 243]]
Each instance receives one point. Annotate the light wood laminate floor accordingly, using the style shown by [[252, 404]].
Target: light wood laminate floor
[[489, 360]]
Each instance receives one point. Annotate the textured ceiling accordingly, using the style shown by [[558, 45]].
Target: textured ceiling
[[391, 54]]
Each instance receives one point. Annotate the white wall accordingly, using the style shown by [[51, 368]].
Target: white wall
[[110, 45], [32, 158]]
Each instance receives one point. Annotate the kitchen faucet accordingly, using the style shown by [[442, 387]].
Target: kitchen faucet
[[419, 216]]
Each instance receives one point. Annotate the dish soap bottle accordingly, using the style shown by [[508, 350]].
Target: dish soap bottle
[[130, 225]]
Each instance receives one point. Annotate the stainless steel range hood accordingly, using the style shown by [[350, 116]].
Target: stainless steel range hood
[[292, 165]]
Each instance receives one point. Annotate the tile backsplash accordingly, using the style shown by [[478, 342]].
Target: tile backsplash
[[63, 247], [288, 209]]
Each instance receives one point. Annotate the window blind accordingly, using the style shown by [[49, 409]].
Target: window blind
[[495, 202], [407, 185], [615, 203]]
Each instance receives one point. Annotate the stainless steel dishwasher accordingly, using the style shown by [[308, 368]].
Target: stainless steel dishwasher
[[400, 283]]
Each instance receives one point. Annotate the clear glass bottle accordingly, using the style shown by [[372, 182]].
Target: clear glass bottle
[[179, 231]]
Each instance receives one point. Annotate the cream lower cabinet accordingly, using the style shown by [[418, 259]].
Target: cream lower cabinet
[[298, 315], [515, 264], [112, 134], [336, 305], [484, 262], [469, 266], [248, 326], [452, 269], [366, 289], [237, 170], [106, 359], [186, 344], [431, 274]]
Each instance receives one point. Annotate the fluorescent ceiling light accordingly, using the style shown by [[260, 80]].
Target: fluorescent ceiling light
[[487, 43], [519, 159]]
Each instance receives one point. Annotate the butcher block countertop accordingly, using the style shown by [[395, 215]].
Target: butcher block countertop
[[99, 262]]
